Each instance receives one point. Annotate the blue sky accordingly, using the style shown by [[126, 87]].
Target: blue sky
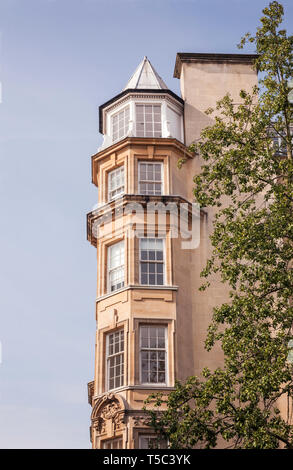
[[59, 60]]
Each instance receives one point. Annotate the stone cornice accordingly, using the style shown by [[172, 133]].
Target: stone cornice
[[144, 142], [115, 208], [135, 387], [191, 57]]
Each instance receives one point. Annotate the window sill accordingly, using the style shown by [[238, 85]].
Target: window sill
[[156, 385], [136, 387]]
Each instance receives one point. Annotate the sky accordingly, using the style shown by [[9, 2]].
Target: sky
[[59, 60]]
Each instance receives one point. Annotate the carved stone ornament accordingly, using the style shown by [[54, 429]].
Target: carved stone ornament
[[141, 420], [108, 411]]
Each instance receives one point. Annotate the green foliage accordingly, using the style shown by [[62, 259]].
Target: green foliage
[[250, 183]]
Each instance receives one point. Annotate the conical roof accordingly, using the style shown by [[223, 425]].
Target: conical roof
[[145, 77]]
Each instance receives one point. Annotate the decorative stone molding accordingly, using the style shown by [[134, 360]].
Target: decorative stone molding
[[108, 414], [90, 391], [141, 420]]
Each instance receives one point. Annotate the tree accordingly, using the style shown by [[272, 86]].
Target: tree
[[247, 157]]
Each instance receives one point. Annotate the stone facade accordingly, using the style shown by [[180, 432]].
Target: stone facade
[[174, 306]]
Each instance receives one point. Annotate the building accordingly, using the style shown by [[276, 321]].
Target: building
[[151, 318]]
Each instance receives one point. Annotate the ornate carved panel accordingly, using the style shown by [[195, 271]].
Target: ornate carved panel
[[108, 415]]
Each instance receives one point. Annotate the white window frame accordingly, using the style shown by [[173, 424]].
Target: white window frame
[[144, 104], [110, 269], [114, 355], [141, 162], [153, 261], [111, 189], [126, 123], [109, 443], [150, 436], [141, 349]]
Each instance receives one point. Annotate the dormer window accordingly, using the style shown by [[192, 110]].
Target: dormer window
[[120, 124], [148, 120]]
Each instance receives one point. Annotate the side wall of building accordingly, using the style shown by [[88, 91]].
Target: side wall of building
[[203, 82]]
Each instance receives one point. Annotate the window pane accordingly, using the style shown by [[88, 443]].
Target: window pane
[[112, 444], [147, 117], [153, 354], [159, 255], [159, 243], [152, 268], [151, 243], [144, 243], [152, 256], [144, 344], [143, 176], [161, 332], [144, 278], [161, 345], [153, 343], [151, 261], [116, 266], [159, 268], [161, 377], [115, 183], [143, 188], [144, 256], [120, 121], [160, 280], [152, 442], [115, 359], [152, 279], [150, 178]]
